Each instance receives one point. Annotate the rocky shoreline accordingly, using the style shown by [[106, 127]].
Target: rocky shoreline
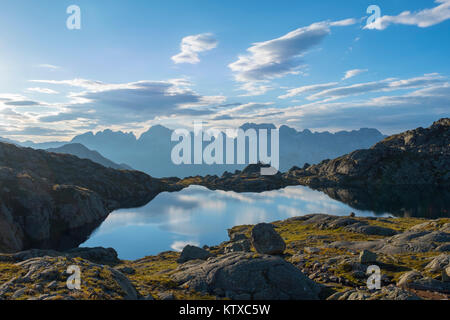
[[316, 256]]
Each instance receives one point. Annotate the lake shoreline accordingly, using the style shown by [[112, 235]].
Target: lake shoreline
[[325, 248]]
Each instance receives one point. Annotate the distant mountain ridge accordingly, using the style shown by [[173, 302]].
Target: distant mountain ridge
[[151, 152], [79, 150]]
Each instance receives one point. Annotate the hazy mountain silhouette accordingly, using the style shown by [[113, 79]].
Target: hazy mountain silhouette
[[151, 152], [79, 150]]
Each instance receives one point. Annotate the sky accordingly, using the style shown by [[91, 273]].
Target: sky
[[322, 65]]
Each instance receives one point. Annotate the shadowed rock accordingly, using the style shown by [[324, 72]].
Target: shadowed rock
[[192, 253], [243, 276], [54, 201], [266, 240]]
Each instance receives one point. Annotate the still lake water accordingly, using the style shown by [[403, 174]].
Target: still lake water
[[200, 216]]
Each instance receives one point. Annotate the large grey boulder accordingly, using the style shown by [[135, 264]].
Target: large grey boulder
[[246, 276], [192, 253], [266, 240]]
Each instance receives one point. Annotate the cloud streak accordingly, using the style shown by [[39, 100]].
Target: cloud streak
[[133, 102], [423, 18], [192, 45], [282, 56], [353, 73], [376, 86]]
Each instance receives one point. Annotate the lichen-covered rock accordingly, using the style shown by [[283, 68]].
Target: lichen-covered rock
[[386, 293], [419, 156], [192, 253], [366, 257], [408, 277], [439, 263], [44, 277], [266, 240], [236, 246], [260, 277]]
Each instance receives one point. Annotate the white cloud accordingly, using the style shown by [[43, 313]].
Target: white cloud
[[42, 90], [48, 66], [352, 73], [423, 18], [254, 88], [192, 45], [304, 89], [376, 86], [282, 56], [133, 102], [389, 113], [343, 23]]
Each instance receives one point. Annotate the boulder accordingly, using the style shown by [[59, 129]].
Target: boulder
[[126, 270], [428, 284], [439, 263], [408, 277], [241, 245], [238, 275], [311, 250], [192, 253], [236, 236], [366, 257], [386, 293], [266, 240]]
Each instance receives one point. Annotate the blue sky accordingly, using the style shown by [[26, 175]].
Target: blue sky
[[307, 64]]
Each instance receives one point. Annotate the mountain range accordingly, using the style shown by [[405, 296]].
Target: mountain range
[[151, 152]]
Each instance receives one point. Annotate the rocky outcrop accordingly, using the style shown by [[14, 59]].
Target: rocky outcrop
[[420, 156], [45, 278], [266, 240], [55, 201], [242, 276], [77, 149], [386, 293], [193, 253], [98, 255]]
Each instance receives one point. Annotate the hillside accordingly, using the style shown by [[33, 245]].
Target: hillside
[[77, 149], [419, 156], [50, 200]]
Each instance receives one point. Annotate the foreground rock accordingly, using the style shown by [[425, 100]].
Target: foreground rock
[[98, 255], [322, 259], [244, 276], [45, 278], [266, 240], [193, 253], [386, 293]]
